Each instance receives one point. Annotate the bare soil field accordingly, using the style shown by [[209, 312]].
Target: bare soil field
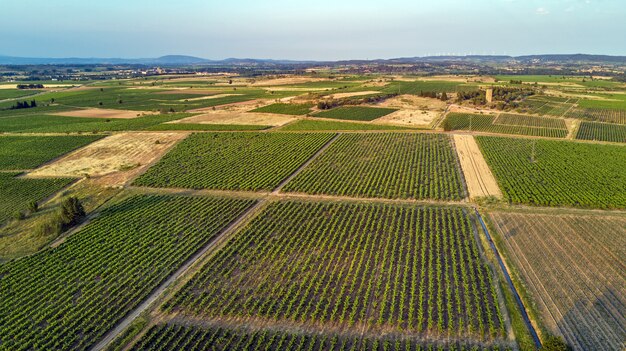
[[413, 102], [102, 113], [237, 117], [358, 93], [114, 160], [574, 269], [410, 117], [478, 177], [413, 110], [218, 96], [243, 106]]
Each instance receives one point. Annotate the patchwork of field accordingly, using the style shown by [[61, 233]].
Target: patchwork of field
[[478, 177], [521, 125], [557, 173], [355, 113], [389, 165], [235, 161], [350, 268], [574, 269], [101, 113], [285, 109], [601, 131], [35, 150], [16, 193], [66, 298], [119, 157]]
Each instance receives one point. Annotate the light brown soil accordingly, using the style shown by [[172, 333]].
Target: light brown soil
[[114, 160], [238, 117], [358, 93], [218, 96], [102, 113], [413, 102], [410, 117], [478, 177], [235, 106]]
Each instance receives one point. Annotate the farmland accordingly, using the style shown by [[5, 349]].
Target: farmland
[[247, 161], [285, 109], [350, 267], [17, 193], [526, 125], [602, 131], [355, 113], [321, 125], [411, 165], [84, 286], [573, 269], [35, 150], [557, 173]]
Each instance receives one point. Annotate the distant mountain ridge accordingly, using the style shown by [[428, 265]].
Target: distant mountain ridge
[[183, 60]]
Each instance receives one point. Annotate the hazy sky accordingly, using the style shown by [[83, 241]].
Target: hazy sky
[[320, 29]]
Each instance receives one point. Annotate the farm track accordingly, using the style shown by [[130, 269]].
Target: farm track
[[161, 289]]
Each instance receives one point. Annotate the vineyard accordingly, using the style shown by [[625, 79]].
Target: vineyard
[[177, 337], [573, 268], [17, 193], [599, 115], [35, 150], [285, 109], [207, 127], [355, 113], [243, 161], [530, 121], [390, 165], [548, 105], [351, 268], [67, 297], [557, 173], [602, 131], [491, 124], [317, 125]]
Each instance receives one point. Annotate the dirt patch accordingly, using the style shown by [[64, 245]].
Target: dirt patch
[[243, 105], [238, 117], [413, 102], [358, 93], [410, 117], [478, 177], [113, 160], [102, 113], [211, 97]]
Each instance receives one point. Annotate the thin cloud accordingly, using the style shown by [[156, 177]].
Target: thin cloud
[[541, 11]]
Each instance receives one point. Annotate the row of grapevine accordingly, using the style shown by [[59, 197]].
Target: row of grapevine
[[233, 161], [173, 337], [598, 114], [66, 298], [602, 131], [530, 121], [351, 267], [557, 173], [27, 152], [487, 123], [548, 105], [390, 165]]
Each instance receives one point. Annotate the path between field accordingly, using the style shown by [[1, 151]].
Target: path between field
[[509, 282], [478, 177], [158, 292]]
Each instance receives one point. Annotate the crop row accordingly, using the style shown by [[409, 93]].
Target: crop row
[[241, 161], [392, 165], [66, 298], [598, 114], [485, 123], [26, 152], [602, 131], [351, 267], [355, 113], [530, 121], [556, 173], [173, 337]]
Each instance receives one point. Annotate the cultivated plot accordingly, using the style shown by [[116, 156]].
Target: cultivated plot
[[26, 152], [602, 132], [68, 297], [233, 161], [355, 113], [557, 173], [574, 268], [389, 165], [488, 123], [350, 268], [478, 177]]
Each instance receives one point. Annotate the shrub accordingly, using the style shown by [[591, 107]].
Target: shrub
[[554, 343]]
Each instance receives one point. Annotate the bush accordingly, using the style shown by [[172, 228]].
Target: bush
[[72, 212], [554, 343]]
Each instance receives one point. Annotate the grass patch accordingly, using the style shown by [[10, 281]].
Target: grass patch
[[285, 109], [355, 113]]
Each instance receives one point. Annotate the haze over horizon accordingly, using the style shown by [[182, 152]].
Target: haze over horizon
[[323, 30]]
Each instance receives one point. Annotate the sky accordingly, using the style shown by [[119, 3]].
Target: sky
[[315, 30]]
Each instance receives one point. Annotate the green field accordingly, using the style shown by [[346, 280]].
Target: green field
[[389, 165], [207, 127], [402, 87], [66, 298], [557, 173], [510, 119], [355, 113], [598, 114], [489, 124], [235, 161], [602, 132], [16, 93], [353, 268], [320, 125], [27, 152], [17, 193], [285, 109]]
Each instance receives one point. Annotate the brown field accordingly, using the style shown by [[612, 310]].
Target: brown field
[[114, 160], [102, 113], [478, 177], [217, 96], [235, 106], [574, 268], [237, 117], [407, 101], [410, 117], [345, 95]]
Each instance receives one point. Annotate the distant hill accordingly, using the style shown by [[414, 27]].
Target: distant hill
[[182, 60]]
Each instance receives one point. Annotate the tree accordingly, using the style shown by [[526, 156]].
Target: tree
[[554, 343], [72, 211], [33, 103], [444, 96], [33, 207]]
